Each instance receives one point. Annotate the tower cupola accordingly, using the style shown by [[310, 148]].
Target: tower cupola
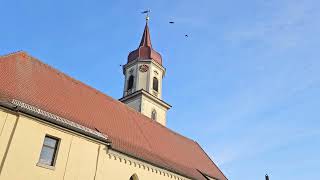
[[145, 50]]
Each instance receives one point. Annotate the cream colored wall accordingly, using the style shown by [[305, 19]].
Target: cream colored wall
[[7, 122], [144, 105], [147, 106], [144, 80], [141, 79], [132, 69], [78, 158], [75, 159], [82, 159], [114, 165], [158, 75]]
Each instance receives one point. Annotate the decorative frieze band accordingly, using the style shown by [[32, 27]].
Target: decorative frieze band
[[131, 162]]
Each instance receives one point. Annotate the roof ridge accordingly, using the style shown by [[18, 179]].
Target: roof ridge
[[14, 53]]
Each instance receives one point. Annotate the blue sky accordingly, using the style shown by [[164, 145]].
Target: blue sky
[[245, 84]]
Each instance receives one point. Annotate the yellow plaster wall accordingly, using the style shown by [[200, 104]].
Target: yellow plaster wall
[[7, 122], [114, 165], [25, 149], [78, 158], [144, 80], [82, 159], [3, 117]]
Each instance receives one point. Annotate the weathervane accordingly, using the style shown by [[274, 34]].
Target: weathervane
[[147, 14]]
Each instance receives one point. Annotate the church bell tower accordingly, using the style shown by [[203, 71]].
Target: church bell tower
[[143, 80]]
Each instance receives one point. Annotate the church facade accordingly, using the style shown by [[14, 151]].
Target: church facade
[[54, 127]]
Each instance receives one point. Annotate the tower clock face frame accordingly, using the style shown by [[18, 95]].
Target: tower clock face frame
[[143, 68]]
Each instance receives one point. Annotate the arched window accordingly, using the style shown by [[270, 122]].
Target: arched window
[[134, 177], [155, 84], [154, 115], [130, 82]]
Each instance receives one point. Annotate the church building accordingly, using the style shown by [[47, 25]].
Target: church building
[[54, 127]]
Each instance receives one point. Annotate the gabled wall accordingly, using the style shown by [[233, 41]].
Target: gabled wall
[[78, 158]]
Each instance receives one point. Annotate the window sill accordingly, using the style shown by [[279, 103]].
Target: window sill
[[46, 166]]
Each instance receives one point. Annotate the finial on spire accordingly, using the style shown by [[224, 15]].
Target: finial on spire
[[147, 14], [147, 18], [146, 40]]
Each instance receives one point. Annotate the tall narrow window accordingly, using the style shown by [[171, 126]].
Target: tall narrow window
[[154, 115], [155, 84], [130, 82], [49, 151]]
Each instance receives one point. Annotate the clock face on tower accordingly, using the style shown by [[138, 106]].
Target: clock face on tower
[[144, 68]]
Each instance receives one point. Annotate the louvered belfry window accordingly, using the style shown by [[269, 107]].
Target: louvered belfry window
[[130, 82], [155, 84]]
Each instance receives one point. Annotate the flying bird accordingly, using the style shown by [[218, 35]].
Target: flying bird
[[186, 35], [171, 22]]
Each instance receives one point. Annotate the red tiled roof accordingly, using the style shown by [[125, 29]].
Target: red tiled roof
[[24, 78], [145, 50]]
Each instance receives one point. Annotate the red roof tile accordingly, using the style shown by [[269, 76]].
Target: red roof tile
[[24, 78]]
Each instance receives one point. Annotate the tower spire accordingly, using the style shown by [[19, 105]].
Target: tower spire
[[146, 40], [145, 50]]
